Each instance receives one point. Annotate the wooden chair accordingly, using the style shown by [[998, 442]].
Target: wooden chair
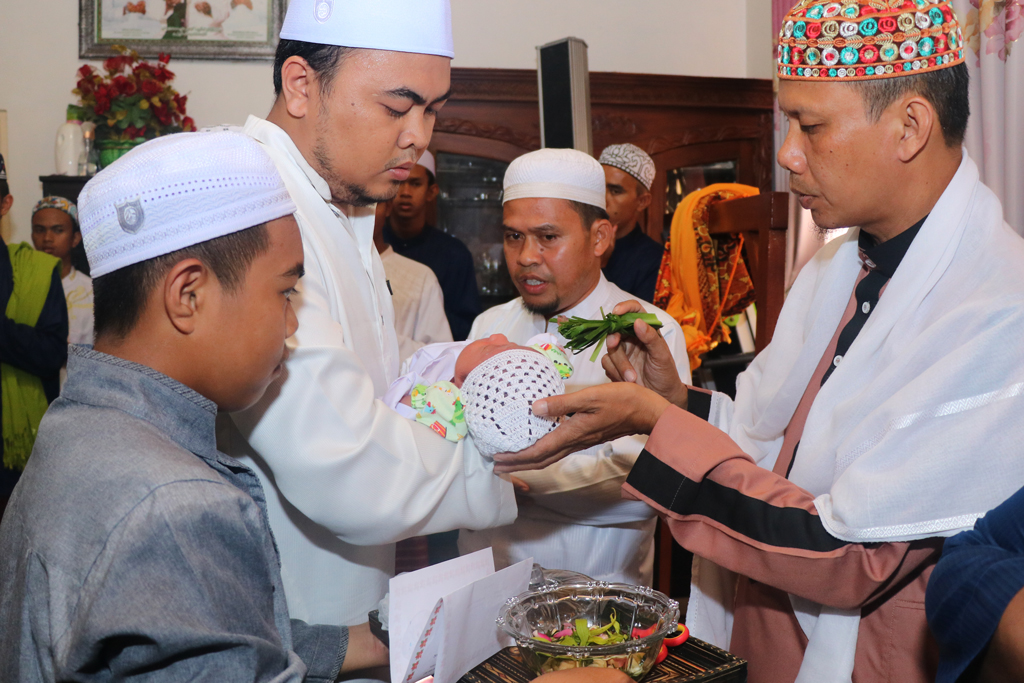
[[762, 220]]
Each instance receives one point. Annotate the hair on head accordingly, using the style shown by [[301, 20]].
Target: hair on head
[[120, 297], [4, 189], [588, 213], [945, 89], [324, 60]]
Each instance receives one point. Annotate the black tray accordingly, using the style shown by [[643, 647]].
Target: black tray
[[693, 661]]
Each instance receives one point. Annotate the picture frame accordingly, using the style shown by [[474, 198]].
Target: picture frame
[[186, 29]]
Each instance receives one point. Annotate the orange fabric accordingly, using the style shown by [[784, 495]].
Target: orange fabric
[[703, 280]]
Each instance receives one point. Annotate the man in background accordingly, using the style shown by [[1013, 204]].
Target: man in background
[[33, 345], [556, 231], [415, 293], [636, 258], [407, 231]]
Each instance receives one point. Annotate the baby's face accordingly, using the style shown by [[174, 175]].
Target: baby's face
[[480, 351]]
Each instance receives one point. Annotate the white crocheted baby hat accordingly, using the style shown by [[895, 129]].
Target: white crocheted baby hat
[[498, 394]]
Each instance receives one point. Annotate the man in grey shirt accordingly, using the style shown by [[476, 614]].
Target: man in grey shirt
[[132, 549]]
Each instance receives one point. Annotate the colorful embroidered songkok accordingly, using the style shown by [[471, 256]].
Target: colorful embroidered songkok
[[865, 39]]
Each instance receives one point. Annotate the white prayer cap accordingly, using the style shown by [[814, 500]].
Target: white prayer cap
[[630, 159], [427, 162], [498, 396], [177, 191], [421, 26], [556, 174]]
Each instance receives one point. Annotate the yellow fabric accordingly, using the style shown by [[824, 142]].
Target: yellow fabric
[[685, 300]]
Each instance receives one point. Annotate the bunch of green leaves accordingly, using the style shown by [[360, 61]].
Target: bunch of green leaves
[[582, 333], [582, 635]]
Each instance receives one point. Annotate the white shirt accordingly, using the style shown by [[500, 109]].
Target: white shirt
[[345, 476], [78, 294], [418, 302], [576, 518]]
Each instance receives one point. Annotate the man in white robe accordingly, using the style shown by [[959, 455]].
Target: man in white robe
[[359, 85], [415, 294], [574, 516]]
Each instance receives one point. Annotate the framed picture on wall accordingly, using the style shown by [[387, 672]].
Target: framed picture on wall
[[186, 29]]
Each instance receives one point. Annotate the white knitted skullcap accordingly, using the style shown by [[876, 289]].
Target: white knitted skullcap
[[630, 159], [427, 162], [420, 26], [556, 174], [176, 191], [498, 395]]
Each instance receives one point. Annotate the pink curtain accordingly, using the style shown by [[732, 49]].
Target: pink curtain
[[995, 135]]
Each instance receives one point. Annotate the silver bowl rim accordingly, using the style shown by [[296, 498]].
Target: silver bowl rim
[[591, 650]]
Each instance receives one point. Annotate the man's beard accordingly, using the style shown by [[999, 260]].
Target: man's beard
[[545, 310], [343, 191]]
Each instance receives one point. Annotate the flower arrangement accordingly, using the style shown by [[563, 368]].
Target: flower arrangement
[[134, 100]]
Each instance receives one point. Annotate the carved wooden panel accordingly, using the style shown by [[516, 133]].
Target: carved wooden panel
[[678, 120]]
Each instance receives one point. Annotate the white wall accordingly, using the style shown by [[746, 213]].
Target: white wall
[[39, 48]]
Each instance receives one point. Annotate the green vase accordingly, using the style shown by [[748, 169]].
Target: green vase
[[112, 150]]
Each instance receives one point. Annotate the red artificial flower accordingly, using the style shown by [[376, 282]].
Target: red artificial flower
[[131, 132], [161, 74], [84, 86], [151, 87], [85, 71], [163, 58], [125, 85], [187, 124], [179, 101], [162, 114]]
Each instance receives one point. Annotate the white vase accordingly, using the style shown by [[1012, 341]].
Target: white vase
[[70, 144]]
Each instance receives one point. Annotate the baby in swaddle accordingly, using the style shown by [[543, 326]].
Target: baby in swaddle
[[484, 388]]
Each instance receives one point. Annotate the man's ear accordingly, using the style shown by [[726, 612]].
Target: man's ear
[[432, 191], [76, 239], [6, 204], [297, 83], [918, 118], [643, 201], [186, 291], [603, 235]]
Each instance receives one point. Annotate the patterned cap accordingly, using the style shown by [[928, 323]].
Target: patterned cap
[[857, 40], [555, 174], [175, 191], [632, 160], [499, 395], [58, 203]]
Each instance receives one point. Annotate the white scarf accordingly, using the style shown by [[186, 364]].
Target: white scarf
[[919, 430]]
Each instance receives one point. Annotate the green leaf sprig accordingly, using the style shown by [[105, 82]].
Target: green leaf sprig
[[582, 333]]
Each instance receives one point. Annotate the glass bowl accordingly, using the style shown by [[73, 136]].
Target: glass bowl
[[548, 609]]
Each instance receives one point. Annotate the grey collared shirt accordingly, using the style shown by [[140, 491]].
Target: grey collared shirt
[[132, 550]]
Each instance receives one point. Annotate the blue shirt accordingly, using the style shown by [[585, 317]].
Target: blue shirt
[[635, 263], [452, 263], [978, 575], [132, 550]]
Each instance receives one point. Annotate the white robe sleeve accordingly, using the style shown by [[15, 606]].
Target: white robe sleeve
[[351, 464]]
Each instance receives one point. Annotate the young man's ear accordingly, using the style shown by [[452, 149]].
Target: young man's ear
[[297, 83], [5, 204], [76, 239], [433, 189], [603, 235], [185, 292]]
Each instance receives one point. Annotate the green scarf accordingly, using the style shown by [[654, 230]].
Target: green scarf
[[24, 401]]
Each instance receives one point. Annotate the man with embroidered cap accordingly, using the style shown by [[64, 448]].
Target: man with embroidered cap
[[408, 233], [33, 345], [133, 548], [636, 258], [359, 85], [885, 414], [556, 231]]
